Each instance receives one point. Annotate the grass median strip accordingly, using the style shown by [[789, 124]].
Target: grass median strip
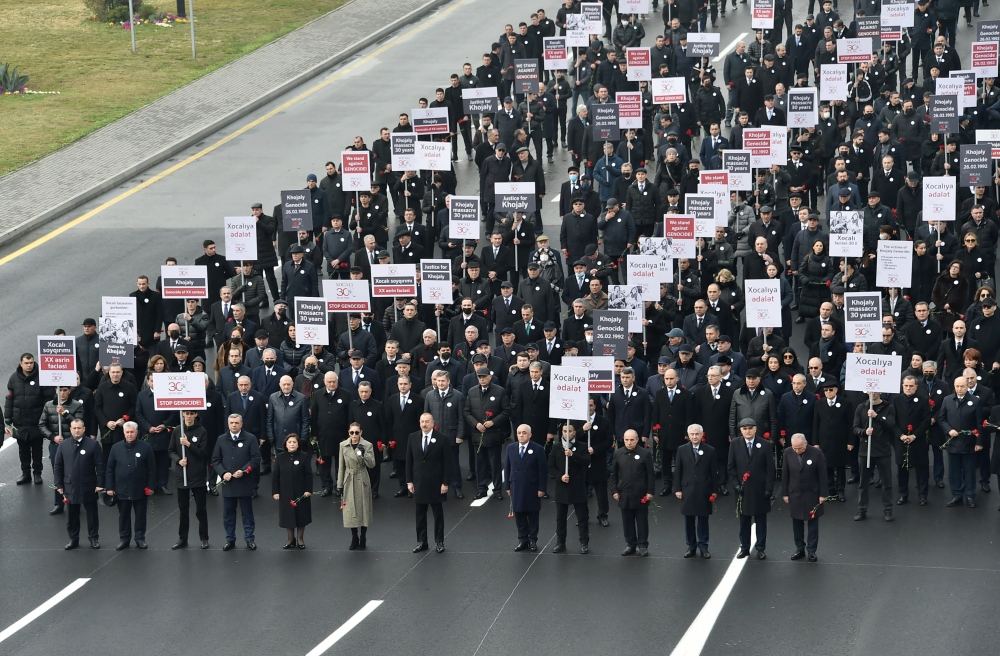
[[99, 80]]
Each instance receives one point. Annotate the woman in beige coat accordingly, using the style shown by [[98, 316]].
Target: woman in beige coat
[[356, 458]]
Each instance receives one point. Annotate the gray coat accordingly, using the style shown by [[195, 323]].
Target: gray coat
[[761, 407], [448, 412], [287, 415], [354, 483]]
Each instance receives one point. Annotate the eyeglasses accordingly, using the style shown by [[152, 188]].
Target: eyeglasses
[[970, 241], [789, 356], [815, 367], [354, 432]]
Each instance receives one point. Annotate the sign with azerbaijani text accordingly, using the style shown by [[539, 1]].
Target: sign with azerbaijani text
[[568, 396], [763, 302], [868, 372], [940, 197], [241, 238], [56, 361], [394, 280]]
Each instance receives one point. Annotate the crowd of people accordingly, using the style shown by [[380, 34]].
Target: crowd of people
[[701, 403]]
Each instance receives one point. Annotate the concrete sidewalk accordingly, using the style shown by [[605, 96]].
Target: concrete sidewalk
[[104, 159]]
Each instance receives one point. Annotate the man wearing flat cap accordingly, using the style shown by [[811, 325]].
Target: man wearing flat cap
[[751, 468], [487, 417]]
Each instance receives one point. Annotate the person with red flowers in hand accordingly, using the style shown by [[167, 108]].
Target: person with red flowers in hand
[[696, 479], [751, 466], [130, 477], [236, 459], [804, 489], [78, 468], [632, 488]]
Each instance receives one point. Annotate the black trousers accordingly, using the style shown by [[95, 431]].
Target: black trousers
[[438, 510], [265, 455], [962, 474], [601, 493], [272, 281], [325, 472], [918, 461], [667, 457], [29, 451], [883, 465], [162, 470], [810, 542], [126, 509], [73, 519], [488, 469], [399, 467], [635, 521], [745, 523], [838, 480], [184, 506], [582, 516], [527, 526], [696, 531]]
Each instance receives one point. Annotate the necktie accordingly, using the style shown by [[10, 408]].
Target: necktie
[[508, 303], [496, 252], [699, 322], [535, 387], [549, 347], [694, 450], [356, 378], [523, 449], [442, 394], [426, 441], [670, 393], [715, 391], [830, 403], [579, 281], [234, 437], [244, 401], [402, 402], [750, 448]]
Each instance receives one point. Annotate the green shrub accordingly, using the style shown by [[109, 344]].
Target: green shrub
[[11, 79], [112, 11]]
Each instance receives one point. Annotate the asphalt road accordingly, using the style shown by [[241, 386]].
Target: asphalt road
[[923, 584]]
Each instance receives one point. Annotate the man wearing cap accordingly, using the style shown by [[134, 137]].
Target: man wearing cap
[[88, 347], [753, 400], [505, 308], [298, 277], [550, 347], [752, 470], [539, 293], [495, 169], [487, 417], [578, 229], [618, 231]]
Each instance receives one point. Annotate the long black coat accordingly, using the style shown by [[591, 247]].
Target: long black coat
[[913, 416], [290, 479], [697, 480], [525, 477], [795, 415], [400, 423], [672, 416], [494, 402], [429, 470], [599, 439], [630, 413], [830, 429], [632, 476], [883, 434], [961, 415], [576, 490], [530, 406], [328, 415], [230, 455], [197, 456], [759, 464], [805, 484], [131, 469], [713, 414], [254, 415], [147, 417], [79, 468]]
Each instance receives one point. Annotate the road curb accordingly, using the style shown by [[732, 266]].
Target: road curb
[[13, 234]]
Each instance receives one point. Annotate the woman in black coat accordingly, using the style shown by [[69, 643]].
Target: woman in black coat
[[923, 273], [815, 273], [775, 380], [950, 294], [291, 487]]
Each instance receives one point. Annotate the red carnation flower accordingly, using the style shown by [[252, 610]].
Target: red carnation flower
[[65, 500], [909, 428], [975, 431], [712, 497], [293, 503], [148, 491], [782, 432], [392, 444], [489, 413], [125, 417], [812, 514], [644, 500], [379, 444], [320, 460], [767, 435], [985, 423], [343, 265], [248, 469], [931, 402], [656, 427], [746, 476]]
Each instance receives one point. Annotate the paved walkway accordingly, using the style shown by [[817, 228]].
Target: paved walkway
[[80, 172]]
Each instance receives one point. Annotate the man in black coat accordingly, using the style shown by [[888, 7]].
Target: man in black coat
[[219, 268], [804, 488], [236, 459], [751, 469], [148, 314], [267, 259], [402, 417], [924, 335], [79, 477], [694, 486], [960, 419], [568, 463], [525, 473], [875, 432], [22, 409], [189, 446], [487, 415], [130, 478], [709, 406], [630, 408], [529, 404], [632, 488], [913, 420], [428, 470], [329, 417]]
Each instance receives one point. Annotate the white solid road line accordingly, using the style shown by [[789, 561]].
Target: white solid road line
[[555, 199], [41, 610], [725, 51], [694, 639], [7, 443], [345, 628], [482, 502]]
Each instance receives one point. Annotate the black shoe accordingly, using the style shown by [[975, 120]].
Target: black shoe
[[480, 494], [302, 545], [798, 555], [72, 544], [939, 484], [164, 491], [559, 548], [901, 501], [877, 484], [585, 549], [812, 558], [95, 543], [229, 546], [860, 516], [179, 545], [922, 501], [325, 492], [439, 547], [25, 479], [37, 478], [498, 496], [459, 494], [969, 503], [392, 474], [724, 491], [353, 546], [204, 544], [742, 553], [985, 487], [887, 516], [420, 547], [603, 521], [955, 501], [532, 547], [761, 555], [56, 510], [706, 554], [690, 553], [521, 546], [643, 552], [399, 493], [362, 544], [629, 551], [665, 492], [470, 477], [141, 544], [251, 546], [122, 546]]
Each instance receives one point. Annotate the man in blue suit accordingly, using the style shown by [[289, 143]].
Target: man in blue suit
[[525, 475], [712, 146]]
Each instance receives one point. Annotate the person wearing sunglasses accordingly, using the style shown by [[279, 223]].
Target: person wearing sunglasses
[[357, 456]]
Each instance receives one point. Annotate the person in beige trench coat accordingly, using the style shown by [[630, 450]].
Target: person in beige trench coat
[[356, 458]]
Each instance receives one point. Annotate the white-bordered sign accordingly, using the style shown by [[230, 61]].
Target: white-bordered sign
[[940, 195], [394, 280], [311, 321], [463, 217], [894, 263], [568, 396], [435, 282], [184, 281], [179, 391], [347, 296], [867, 372], [862, 317], [56, 361], [241, 238], [763, 302]]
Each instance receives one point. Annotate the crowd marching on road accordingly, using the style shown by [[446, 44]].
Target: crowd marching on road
[[701, 407]]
